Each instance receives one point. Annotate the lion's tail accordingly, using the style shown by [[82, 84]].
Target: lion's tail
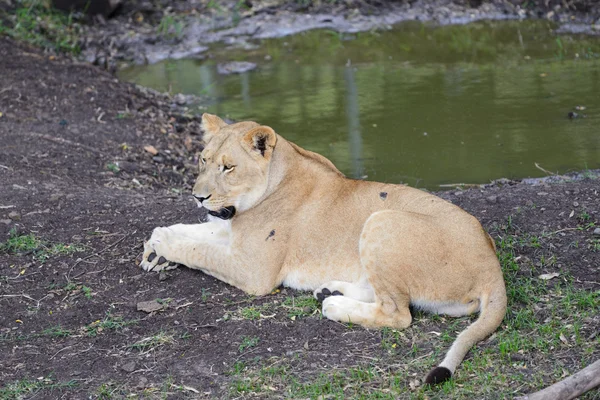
[[492, 311]]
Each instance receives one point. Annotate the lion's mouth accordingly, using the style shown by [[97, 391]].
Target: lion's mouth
[[223, 213]]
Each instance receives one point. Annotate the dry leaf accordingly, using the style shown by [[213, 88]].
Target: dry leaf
[[563, 339], [547, 277], [151, 149], [413, 384]]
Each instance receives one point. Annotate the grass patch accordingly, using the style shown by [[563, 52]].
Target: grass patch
[[253, 313], [110, 322], [26, 388], [301, 306], [54, 331], [154, 342], [247, 342], [171, 27], [38, 23], [41, 250]]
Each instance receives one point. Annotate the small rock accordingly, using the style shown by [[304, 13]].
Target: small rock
[[518, 357], [142, 383], [151, 149], [529, 203], [55, 197], [492, 199], [149, 306], [162, 276], [542, 194], [235, 67], [15, 216], [129, 366], [597, 231], [6, 221], [575, 204], [180, 99]]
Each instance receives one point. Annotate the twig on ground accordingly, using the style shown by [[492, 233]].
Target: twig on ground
[[96, 254], [544, 170], [64, 348], [63, 141], [184, 305], [27, 297], [460, 184], [564, 229], [571, 387]]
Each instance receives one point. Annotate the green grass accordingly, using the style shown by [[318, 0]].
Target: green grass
[[56, 331], [36, 22], [301, 306], [253, 312], [41, 249], [171, 27], [108, 323], [247, 342], [27, 388], [154, 342]]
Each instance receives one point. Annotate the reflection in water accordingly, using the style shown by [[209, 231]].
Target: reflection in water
[[419, 105], [352, 112]]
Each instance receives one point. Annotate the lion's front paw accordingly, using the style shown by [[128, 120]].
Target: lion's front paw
[[155, 251]]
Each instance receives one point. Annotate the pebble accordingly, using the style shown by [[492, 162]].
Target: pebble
[[15, 216], [492, 199], [128, 367], [597, 231], [235, 67], [6, 221]]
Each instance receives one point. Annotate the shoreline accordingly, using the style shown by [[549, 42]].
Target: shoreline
[[119, 40]]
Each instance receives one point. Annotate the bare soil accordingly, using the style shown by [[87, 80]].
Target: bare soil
[[75, 170]]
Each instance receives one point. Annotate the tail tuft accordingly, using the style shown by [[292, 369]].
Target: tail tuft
[[438, 375]]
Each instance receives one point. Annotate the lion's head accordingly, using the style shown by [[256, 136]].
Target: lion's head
[[234, 165]]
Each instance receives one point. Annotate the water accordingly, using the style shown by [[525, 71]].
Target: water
[[423, 105]]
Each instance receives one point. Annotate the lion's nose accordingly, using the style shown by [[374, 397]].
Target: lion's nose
[[200, 198]]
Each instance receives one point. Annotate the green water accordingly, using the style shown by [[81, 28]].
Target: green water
[[417, 104]]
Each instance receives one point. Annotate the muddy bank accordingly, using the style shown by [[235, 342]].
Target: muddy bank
[[90, 165], [143, 33]]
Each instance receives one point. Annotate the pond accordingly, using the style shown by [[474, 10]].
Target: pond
[[417, 104]]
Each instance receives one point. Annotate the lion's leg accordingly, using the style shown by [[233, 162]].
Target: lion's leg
[[383, 259], [375, 315], [223, 261], [358, 291], [181, 236]]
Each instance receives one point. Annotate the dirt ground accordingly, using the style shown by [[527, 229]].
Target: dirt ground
[[82, 189]]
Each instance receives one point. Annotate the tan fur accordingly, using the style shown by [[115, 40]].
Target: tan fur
[[299, 222]]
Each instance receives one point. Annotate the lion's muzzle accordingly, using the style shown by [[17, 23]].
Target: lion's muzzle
[[223, 213]]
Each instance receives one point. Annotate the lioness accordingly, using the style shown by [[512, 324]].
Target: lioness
[[279, 214]]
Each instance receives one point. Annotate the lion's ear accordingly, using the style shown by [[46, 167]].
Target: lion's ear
[[211, 125], [260, 142]]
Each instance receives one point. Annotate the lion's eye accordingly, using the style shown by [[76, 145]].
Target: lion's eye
[[227, 168]]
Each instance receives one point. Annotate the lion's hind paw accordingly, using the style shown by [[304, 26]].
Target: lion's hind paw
[[323, 293]]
